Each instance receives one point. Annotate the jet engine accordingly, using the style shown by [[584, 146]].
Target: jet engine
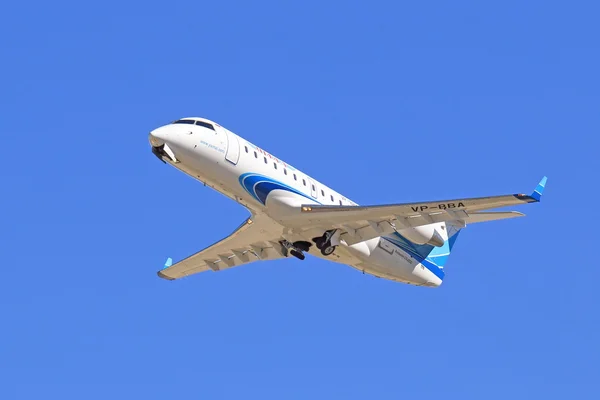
[[432, 234]]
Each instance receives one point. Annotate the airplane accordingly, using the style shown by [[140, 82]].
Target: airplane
[[293, 214]]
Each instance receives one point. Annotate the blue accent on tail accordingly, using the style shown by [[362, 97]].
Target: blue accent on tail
[[168, 263], [452, 239], [433, 258], [539, 189]]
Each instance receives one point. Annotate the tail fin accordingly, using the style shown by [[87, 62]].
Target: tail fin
[[439, 255], [429, 255]]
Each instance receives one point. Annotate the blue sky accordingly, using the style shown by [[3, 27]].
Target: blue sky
[[383, 101]]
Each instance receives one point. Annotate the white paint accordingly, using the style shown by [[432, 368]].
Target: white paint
[[218, 158]]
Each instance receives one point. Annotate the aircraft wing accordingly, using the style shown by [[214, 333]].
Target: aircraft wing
[[360, 223], [256, 239]]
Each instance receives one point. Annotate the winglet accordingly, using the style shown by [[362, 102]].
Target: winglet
[[539, 189], [168, 263]]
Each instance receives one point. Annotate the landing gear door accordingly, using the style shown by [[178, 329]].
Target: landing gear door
[[313, 188], [233, 147]]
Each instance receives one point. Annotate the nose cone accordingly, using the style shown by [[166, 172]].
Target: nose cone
[[158, 137]]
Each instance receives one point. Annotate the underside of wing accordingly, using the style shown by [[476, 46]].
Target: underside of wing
[[359, 223], [255, 240]]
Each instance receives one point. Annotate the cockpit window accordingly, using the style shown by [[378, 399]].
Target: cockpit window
[[194, 122], [205, 124]]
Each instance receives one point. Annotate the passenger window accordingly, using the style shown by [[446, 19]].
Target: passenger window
[[265, 159], [313, 187], [246, 147], [285, 171], [332, 198], [340, 202], [255, 155], [275, 165], [303, 182], [322, 193], [295, 178]]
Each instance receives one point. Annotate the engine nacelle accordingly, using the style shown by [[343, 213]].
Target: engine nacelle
[[432, 234]]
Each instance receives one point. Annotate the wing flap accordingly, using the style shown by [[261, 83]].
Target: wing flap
[[492, 216]]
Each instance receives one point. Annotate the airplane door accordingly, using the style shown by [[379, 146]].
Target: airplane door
[[233, 147], [313, 188]]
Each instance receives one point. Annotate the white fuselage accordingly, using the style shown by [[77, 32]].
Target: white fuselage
[[227, 162]]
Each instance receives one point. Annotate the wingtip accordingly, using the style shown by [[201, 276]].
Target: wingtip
[[539, 189], [163, 276]]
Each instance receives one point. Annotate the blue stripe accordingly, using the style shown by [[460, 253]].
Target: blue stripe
[[437, 271], [259, 186]]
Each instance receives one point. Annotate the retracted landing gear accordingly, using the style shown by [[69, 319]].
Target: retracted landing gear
[[323, 243]]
